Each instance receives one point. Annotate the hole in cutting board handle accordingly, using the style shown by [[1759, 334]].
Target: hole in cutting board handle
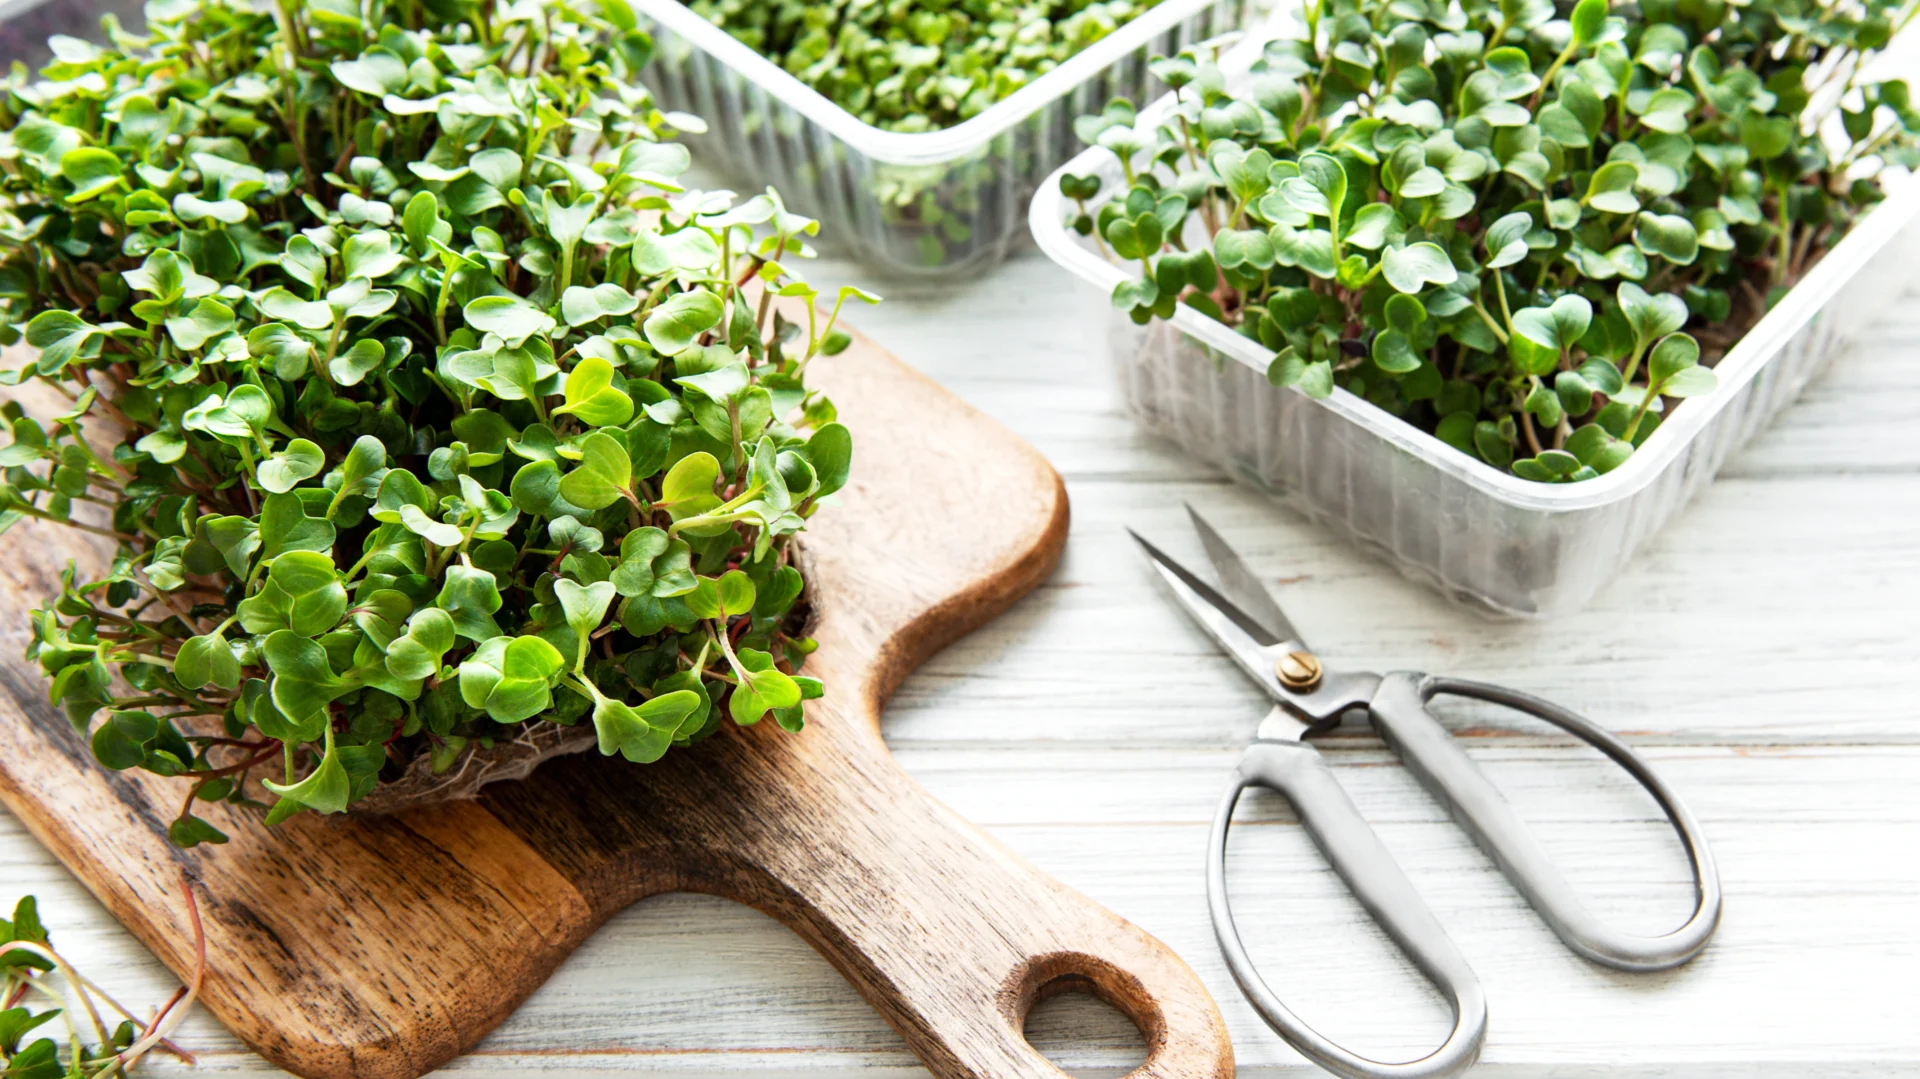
[[1072, 1003]]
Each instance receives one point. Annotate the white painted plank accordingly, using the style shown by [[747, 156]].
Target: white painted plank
[[1778, 610], [1812, 965]]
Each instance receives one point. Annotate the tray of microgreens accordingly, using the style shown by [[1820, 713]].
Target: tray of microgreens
[[916, 130], [425, 424], [1494, 246]]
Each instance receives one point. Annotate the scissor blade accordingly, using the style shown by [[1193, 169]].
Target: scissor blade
[[1240, 584], [1236, 631]]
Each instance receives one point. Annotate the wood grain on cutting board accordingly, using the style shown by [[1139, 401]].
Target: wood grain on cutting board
[[384, 946]]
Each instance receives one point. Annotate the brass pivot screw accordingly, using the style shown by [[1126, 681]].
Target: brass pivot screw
[[1298, 670]]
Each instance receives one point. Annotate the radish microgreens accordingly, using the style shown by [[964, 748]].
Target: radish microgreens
[[427, 409], [1515, 224]]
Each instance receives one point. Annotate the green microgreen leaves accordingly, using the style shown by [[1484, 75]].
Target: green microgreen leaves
[[302, 686], [302, 593], [206, 660], [1648, 316], [687, 490], [591, 395], [582, 305], [603, 476], [470, 597], [1321, 187], [416, 654], [37, 985], [298, 460], [920, 67], [1414, 267], [643, 733], [1674, 371], [327, 789], [1541, 335], [1506, 241], [674, 324], [584, 607], [432, 417], [1490, 221], [1610, 189], [511, 318], [511, 677], [92, 173], [762, 688], [1394, 348]]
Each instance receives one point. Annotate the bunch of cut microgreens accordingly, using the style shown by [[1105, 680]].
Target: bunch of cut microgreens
[[1510, 223], [427, 409], [32, 973], [918, 65]]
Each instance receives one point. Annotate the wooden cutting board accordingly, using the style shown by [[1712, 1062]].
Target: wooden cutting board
[[382, 947]]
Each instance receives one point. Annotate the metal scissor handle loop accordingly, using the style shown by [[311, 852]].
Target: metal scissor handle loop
[[1399, 711], [1356, 853]]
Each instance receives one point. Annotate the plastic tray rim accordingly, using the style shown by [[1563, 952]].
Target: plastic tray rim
[[908, 149]]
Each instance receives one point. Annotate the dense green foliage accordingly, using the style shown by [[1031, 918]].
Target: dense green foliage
[[1512, 224], [918, 65], [425, 406]]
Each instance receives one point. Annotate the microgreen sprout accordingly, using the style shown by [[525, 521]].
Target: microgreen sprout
[[918, 65], [429, 413], [102, 1039], [1523, 227]]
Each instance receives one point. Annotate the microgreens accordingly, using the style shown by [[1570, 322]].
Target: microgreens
[[425, 405], [918, 65], [39, 985], [1514, 224]]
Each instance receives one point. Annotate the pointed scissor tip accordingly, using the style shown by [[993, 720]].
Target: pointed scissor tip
[[1234, 629], [1239, 582], [1202, 525], [1152, 552], [1200, 522]]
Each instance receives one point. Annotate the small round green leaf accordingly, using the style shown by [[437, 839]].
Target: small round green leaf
[[592, 397], [1412, 268]]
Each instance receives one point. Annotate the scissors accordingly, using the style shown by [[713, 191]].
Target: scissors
[[1243, 618]]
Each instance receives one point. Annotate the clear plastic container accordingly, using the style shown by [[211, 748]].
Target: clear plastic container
[[1482, 536], [944, 202]]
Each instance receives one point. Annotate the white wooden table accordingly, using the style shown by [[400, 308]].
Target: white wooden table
[[1764, 652]]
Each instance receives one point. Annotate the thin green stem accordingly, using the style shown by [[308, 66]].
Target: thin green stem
[[1633, 362], [1633, 425], [1783, 258], [1546, 81], [1488, 319]]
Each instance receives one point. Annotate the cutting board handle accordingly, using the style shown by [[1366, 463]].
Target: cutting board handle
[[948, 934]]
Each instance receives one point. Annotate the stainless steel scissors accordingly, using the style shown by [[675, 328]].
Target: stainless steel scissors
[[1243, 618]]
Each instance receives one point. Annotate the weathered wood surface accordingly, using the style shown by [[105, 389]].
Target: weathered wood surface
[[382, 947], [1764, 651]]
